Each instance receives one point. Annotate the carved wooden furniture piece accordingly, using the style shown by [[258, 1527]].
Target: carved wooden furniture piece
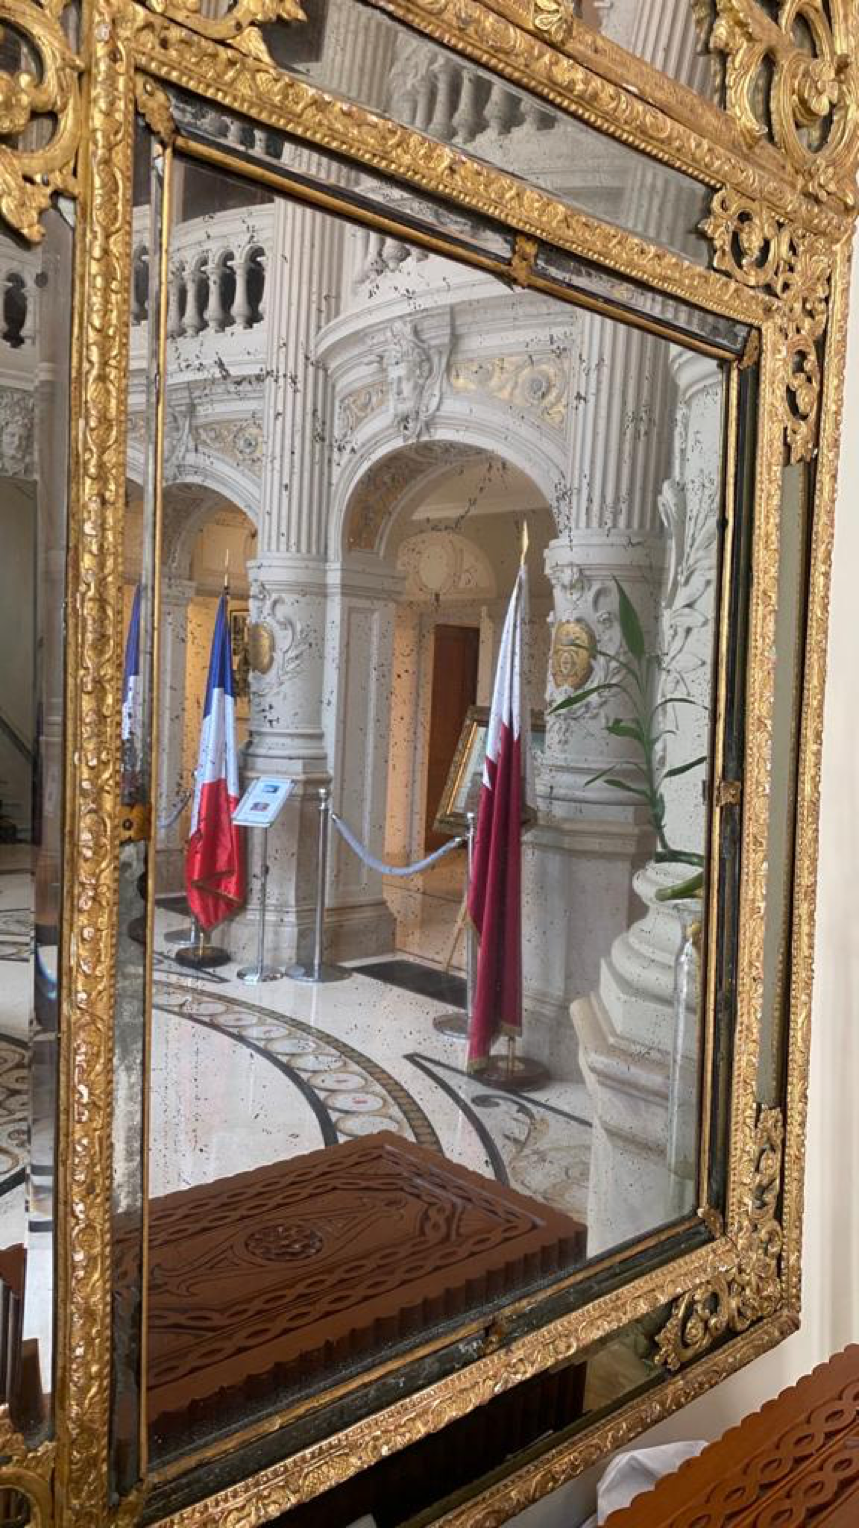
[[793, 1464], [261, 1282]]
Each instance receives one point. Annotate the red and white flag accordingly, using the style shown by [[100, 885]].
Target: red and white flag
[[215, 851], [506, 795]]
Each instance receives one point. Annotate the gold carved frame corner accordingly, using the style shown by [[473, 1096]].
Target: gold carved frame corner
[[44, 90], [780, 219]]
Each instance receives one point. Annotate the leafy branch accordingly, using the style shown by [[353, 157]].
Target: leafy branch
[[631, 678]]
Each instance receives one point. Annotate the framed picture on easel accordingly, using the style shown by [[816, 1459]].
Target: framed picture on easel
[[462, 786]]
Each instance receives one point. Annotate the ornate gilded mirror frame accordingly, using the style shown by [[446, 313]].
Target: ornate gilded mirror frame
[[780, 227]]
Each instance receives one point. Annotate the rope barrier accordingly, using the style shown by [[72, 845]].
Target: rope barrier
[[376, 864]]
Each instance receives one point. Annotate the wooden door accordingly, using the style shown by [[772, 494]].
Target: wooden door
[[454, 689]]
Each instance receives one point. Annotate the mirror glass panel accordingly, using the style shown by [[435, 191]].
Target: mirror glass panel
[[440, 580], [672, 35], [360, 54], [34, 409]]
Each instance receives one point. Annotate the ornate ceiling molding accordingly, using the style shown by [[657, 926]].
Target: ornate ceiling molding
[[44, 91]]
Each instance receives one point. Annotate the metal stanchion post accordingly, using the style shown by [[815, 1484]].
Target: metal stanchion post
[[261, 972], [456, 1023], [318, 970]]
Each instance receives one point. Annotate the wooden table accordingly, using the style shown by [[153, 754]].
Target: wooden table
[[793, 1464]]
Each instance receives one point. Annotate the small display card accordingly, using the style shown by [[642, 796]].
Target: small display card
[[262, 801]]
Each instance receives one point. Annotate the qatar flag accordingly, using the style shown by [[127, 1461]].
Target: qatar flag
[[506, 794], [215, 851]]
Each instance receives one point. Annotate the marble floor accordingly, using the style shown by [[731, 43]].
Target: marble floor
[[247, 1075]]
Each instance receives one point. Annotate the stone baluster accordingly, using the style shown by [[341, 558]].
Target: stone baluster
[[500, 109], [445, 74], [242, 311], [466, 119], [174, 300], [29, 325], [193, 320], [216, 315], [423, 102], [140, 286]]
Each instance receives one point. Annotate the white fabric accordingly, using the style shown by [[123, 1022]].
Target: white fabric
[[218, 756], [510, 706], [629, 1474]]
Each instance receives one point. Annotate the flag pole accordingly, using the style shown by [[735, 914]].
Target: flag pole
[[512, 1073]]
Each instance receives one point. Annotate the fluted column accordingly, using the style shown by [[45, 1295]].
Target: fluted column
[[639, 1022], [176, 595], [359, 679]]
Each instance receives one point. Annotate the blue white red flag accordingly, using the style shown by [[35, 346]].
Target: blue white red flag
[[506, 795], [131, 705], [215, 852]]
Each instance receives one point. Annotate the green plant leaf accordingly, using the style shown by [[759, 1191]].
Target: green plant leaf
[[679, 857], [673, 700], [600, 775], [624, 785], [619, 728], [682, 769], [630, 625], [683, 890], [580, 695]]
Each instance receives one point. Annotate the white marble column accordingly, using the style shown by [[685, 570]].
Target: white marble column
[[176, 595], [288, 590], [633, 1027], [578, 860], [361, 610], [288, 599]]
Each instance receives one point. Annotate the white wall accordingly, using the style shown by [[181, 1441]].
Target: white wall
[[831, 1251]]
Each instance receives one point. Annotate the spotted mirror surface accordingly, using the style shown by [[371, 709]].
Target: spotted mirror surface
[[387, 478], [35, 310]]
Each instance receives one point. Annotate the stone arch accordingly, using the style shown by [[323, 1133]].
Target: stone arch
[[394, 478]]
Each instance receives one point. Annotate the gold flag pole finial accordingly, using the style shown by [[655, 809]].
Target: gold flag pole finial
[[227, 570], [524, 539]]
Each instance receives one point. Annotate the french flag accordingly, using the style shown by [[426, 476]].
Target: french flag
[[215, 851], [131, 704], [506, 795]]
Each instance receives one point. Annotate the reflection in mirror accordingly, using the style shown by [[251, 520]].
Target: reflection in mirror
[[34, 401], [14, 1509], [356, 52], [133, 945], [672, 35], [347, 1156]]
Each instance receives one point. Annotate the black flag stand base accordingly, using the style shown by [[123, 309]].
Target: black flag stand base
[[514, 1074], [200, 955]]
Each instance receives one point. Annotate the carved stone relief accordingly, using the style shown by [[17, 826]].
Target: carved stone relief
[[16, 433]]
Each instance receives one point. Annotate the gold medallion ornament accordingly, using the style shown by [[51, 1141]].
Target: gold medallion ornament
[[574, 647], [260, 647]]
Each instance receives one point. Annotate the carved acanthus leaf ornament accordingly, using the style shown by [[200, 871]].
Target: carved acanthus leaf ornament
[[239, 27], [751, 1290], [792, 78], [758, 250], [44, 89]]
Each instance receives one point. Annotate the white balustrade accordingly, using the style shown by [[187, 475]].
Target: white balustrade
[[216, 275]]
